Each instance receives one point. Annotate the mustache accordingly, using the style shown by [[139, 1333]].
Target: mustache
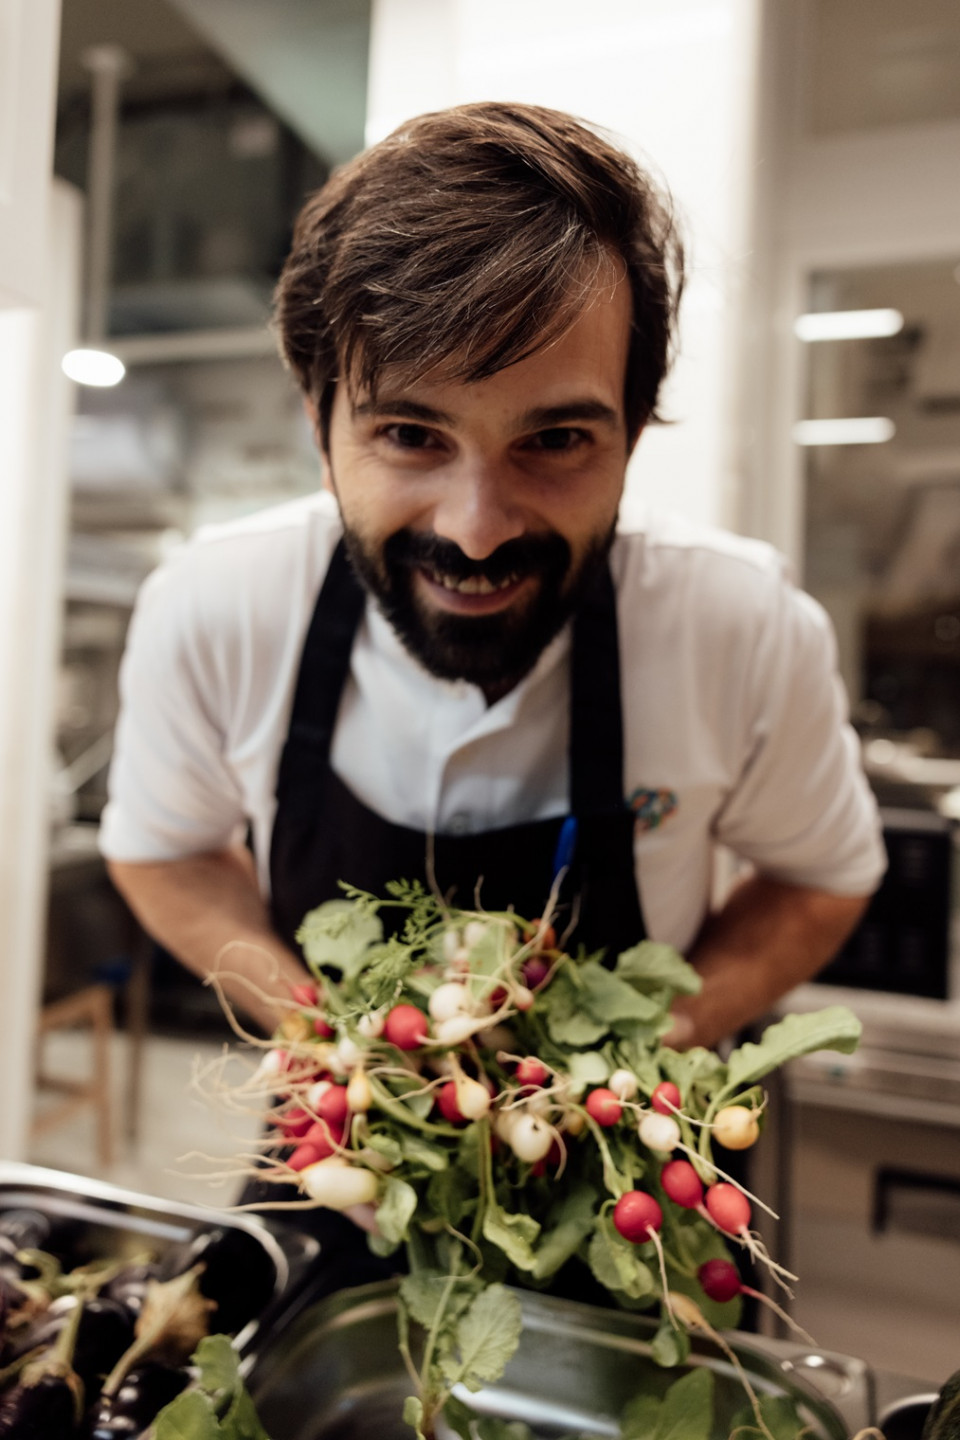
[[547, 554]]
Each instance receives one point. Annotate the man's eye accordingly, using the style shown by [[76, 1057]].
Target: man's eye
[[558, 438], [408, 437]]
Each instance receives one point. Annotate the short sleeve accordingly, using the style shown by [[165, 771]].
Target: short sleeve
[[171, 791], [801, 810]]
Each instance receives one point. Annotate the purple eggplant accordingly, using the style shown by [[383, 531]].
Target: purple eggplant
[[144, 1392]]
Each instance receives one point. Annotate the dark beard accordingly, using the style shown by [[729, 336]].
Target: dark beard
[[494, 652]]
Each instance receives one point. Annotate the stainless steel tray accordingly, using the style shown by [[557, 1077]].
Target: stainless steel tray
[[100, 1220], [336, 1373]]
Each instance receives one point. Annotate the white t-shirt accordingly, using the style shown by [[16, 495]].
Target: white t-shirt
[[734, 717]]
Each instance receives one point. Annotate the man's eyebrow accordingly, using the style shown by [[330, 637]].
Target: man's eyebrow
[[403, 409], [547, 417]]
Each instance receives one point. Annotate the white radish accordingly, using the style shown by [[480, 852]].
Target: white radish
[[473, 1099], [457, 1029], [272, 1065], [474, 932], [451, 944], [359, 1093], [503, 1123], [336, 1183], [530, 1138], [449, 1000], [659, 1132], [349, 1053], [371, 1026], [574, 1122], [624, 1084], [522, 998]]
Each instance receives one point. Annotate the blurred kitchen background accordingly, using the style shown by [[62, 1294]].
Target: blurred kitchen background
[[814, 149]]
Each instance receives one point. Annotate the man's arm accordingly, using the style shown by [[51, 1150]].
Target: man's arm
[[766, 939], [207, 910]]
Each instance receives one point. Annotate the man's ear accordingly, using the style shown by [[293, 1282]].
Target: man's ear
[[313, 415]]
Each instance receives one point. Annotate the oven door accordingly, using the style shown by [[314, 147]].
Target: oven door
[[870, 1147]]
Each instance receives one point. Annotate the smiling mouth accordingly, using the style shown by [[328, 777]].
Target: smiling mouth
[[470, 584]]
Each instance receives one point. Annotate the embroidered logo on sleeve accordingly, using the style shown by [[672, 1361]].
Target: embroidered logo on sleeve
[[651, 807]]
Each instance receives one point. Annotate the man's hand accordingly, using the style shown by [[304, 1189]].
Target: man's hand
[[207, 910], [766, 939]]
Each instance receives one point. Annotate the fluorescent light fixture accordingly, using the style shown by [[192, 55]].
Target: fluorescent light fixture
[[847, 324], [864, 430], [93, 367]]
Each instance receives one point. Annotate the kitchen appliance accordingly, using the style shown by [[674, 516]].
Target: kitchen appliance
[[868, 1153], [902, 944], [336, 1373]]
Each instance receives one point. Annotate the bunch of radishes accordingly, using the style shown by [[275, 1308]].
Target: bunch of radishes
[[462, 1043]]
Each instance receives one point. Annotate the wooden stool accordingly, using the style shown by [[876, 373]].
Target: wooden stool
[[93, 1007]]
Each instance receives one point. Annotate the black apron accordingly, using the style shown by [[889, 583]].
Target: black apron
[[323, 834]]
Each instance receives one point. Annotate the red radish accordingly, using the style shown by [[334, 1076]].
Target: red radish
[[531, 1071], [636, 1214], [603, 1107], [406, 1027], [323, 1138], [728, 1208], [333, 1105], [321, 1028], [294, 1124], [305, 994], [305, 1155], [447, 1103], [719, 1280], [682, 1184], [665, 1098], [535, 971]]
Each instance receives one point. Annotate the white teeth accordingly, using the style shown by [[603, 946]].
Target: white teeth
[[473, 584]]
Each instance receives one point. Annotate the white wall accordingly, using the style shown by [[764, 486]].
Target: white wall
[[676, 80], [37, 286]]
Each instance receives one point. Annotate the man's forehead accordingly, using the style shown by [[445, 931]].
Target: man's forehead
[[589, 342]]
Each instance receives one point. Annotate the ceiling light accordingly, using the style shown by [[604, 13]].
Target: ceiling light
[[864, 430], [847, 324], [93, 367]]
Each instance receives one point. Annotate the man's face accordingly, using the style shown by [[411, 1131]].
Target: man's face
[[477, 513]]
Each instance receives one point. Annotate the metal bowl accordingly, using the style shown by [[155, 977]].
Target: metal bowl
[[336, 1373], [92, 1220]]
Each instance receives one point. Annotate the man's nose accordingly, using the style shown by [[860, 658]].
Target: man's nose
[[478, 511]]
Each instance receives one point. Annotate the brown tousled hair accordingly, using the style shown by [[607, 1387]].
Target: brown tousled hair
[[469, 239]]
